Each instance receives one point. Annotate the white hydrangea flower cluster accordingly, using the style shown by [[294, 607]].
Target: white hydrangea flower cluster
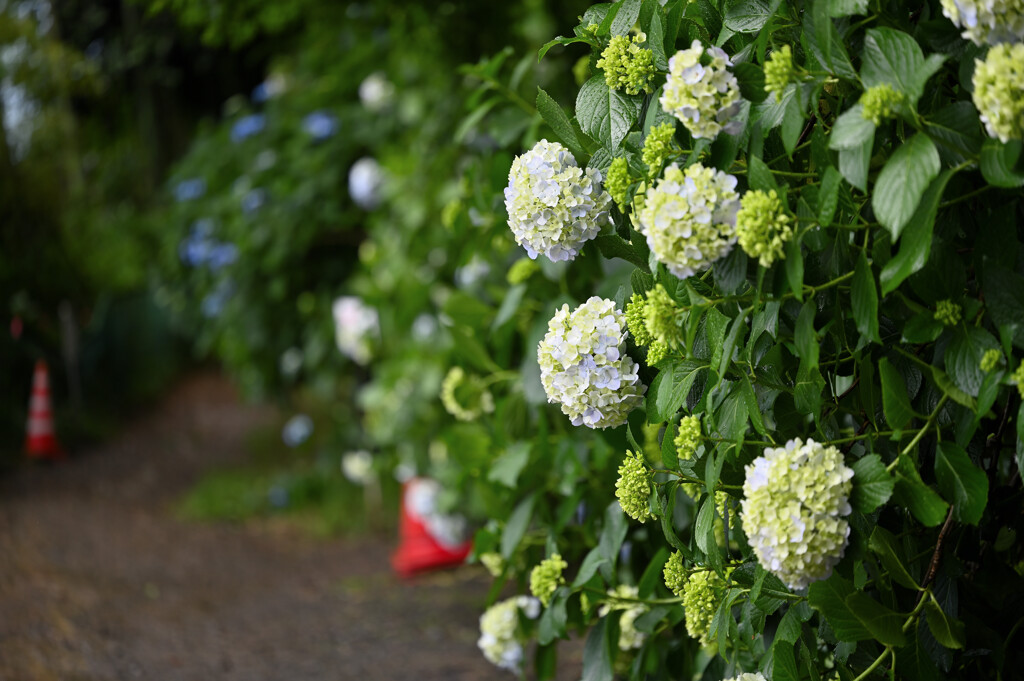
[[629, 637], [584, 368], [749, 676], [553, 205], [795, 498], [987, 21], [355, 325], [705, 97], [500, 639], [689, 218], [999, 91]]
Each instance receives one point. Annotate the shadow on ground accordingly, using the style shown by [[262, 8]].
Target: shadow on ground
[[99, 580]]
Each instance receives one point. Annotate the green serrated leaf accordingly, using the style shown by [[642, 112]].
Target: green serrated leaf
[[829, 598], [516, 527], [872, 484], [916, 242], [963, 357], [597, 657], [759, 175], [893, 57], [948, 631], [903, 181], [895, 400], [748, 16], [911, 492], [854, 163], [606, 114], [828, 196], [999, 163], [864, 299], [883, 543], [961, 482], [553, 115], [884, 624], [851, 130]]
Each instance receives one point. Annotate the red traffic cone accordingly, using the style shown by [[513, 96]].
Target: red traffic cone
[[427, 540], [40, 441]]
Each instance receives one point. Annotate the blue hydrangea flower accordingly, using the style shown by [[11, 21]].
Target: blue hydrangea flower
[[221, 255], [189, 190], [213, 303], [247, 126], [253, 200], [320, 125]]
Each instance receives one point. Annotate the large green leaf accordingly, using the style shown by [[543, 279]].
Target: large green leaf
[[553, 115], [854, 164], [961, 482], [999, 163], [883, 543], [893, 57], [895, 400], [516, 526], [627, 15], [748, 16], [864, 298], [963, 357], [597, 653], [911, 492], [884, 624], [948, 631], [670, 388], [916, 242], [902, 182], [829, 598], [851, 129], [606, 114], [784, 663], [872, 483]]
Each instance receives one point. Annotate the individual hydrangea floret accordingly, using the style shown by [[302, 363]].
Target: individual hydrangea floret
[[688, 438], [948, 312], [624, 598], [636, 320], [658, 145], [584, 367], [763, 227], [633, 488], [701, 92], [501, 640], [779, 72], [991, 359], [999, 91], [546, 577], [662, 317], [702, 594], [627, 66], [793, 512], [881, 102], [553, 205], [521, 271], [617, 183], [689, 218], [1018, 378], [465, 396], [987, 21]]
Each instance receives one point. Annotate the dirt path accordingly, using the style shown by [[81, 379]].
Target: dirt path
[[99, 581]]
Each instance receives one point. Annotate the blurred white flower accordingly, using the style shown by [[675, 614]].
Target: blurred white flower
[[364, 182], [356, 326], [357, 466], [376, 92], [297, 430]]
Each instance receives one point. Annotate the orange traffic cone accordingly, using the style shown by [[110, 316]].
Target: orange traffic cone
[[41, 442], [428, 540]]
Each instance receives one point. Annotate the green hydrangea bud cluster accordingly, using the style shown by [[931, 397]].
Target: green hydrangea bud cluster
[[999, 91], [688, 438], [779, 71], [617, 182], [948, 312], [494, 563], [658, 145], [662, 318], [633, 488], [584, 366], [881, 102], [675, 573], [702, 594], [521, 271], [793, 512], [553, 205], [629, 637], [465, 396], [987, 21], [546, 577], [1018, 378], [689, 218], [500, 639], [627, 66], [762, 226], [991, 359], [636, 320], [701, 92]]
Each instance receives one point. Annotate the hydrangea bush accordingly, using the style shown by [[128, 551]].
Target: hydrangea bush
[[774, 428]]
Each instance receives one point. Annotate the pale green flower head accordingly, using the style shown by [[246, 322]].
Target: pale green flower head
[[627, 66], [793, 512], [779, 71], [494, 563], [1018, 378], [553, 205], [999, 91], [656, 352], [629, 637], [675, 573], [881, 102], [636, 320], [701, 91], [662, 317], [689, 218], [617, 183], [991, 359], [688, 438], [948, 312], [465, 396], [658, 145], [987, 21], [633, 488], [584, 366], [546, 577], [500, 638], [702, 594], [763, 227]]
